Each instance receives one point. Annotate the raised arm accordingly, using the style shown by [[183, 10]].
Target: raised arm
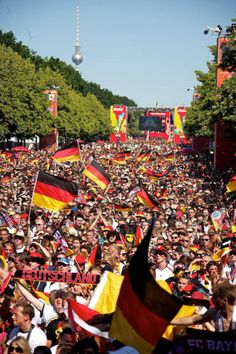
[[29, 297]]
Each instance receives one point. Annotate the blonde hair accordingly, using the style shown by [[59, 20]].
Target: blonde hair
[[22, 343]]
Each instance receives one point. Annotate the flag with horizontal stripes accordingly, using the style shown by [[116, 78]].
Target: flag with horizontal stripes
[[144, 309], [169, 157], [231, 185], [126, 154], [70, 152], [6, 178], [122, 208], [120, 160], [97, 174], [144, 156], [53, 192], [159, 174], [145, 198]]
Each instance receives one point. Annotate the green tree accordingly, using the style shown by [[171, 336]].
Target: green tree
[[22, 103]]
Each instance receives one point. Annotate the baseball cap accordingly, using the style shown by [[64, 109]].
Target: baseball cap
[[63, 261]]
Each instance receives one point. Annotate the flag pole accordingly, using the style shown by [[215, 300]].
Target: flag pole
[[30, 209]]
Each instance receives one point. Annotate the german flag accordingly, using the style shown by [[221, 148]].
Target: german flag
[[125, 154], [144, 156], [97, 174], [170, 156], [144, 309], [6, 178], [146, 199], [122, 208], [121, 160], [95, 256], [156, 175], [70, 152], [231, 185], [53, 193]]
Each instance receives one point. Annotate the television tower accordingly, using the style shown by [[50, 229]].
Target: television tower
[[77, 57]]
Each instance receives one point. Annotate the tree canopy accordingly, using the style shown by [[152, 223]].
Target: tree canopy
[[214, 103], [24, 105]]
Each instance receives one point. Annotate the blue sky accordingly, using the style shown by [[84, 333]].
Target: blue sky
[[146, 50]]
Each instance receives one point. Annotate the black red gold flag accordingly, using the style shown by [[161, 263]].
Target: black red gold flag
[[70, 152], [6, 178], [52, 192], [145, 198], [144, 156], [144, 309], [97, 174]]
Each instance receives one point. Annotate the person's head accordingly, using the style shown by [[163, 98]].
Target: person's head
[[42, 349], [36, 260], [212, 269], [183, 282], [204, 260], [8, 247], [224, 294], [86, 346], [76, 245], [175, 237], [91, 237], [63, 265], [22, 260], [64, 348], [57, 299], [4, 234], [161, 256], [22, 314], [19, 345], [204, 241], [19, 240], [67, 336], [39, 224]]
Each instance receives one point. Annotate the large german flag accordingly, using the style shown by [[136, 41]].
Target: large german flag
[[53, 193], [68, 153], [97, 174], [144, 309]]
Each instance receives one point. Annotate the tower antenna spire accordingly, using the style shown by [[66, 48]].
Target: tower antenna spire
[[77, 56]]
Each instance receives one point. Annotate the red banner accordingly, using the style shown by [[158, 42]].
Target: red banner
[[54, 276]]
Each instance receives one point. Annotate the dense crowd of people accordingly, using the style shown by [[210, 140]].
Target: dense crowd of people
[[193, 245]]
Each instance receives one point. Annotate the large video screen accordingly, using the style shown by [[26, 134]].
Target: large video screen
[[151, 123]]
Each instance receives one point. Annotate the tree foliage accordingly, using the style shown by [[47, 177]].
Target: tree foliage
[[24, 105], [214, 103]]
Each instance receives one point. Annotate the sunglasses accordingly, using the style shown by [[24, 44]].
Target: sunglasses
[[17, 349], [205, 239]]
